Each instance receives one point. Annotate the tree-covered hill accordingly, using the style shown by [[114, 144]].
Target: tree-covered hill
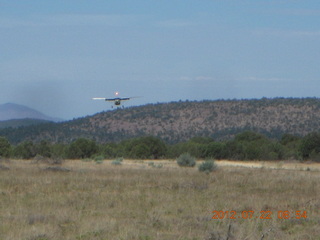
[[180, 121], [14, 123]]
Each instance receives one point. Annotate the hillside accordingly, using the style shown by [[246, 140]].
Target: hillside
[[9, 111], [14, 123], [179, 121]]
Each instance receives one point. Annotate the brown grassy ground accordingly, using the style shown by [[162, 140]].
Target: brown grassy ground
[[137, 201]]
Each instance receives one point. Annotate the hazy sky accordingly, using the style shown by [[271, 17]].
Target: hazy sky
[[56, 55]]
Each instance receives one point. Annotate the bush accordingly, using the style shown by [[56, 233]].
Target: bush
[[207, 166], [25, 150], [186, 160], [310, 145], [82, 148], [117, 161], [5, 147], [99, 159], [153, 165], [145, 148]]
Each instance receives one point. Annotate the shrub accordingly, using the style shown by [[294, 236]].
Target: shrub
[[310, 145], [145, 148], [152, 164], [25, 150], [207, 166], [99, 159], [82, 148], [117, 161], [186, 160], [5, 147]]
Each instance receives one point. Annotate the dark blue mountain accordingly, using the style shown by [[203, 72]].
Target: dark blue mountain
[[10, 111]]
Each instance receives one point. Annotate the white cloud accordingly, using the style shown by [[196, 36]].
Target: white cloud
[[262, 79], [300, 12], [305, 33], [288, 33], [70, 20], [36, 68], [6, 22], [185, 78], [89, 20], [197, 78], [174, 23], [204, 78]]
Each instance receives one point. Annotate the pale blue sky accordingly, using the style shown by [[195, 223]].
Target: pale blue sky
[[57, 55]]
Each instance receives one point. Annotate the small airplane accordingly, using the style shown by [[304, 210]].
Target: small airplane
[[117, 100]]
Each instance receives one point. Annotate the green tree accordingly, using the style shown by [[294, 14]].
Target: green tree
[[44, 149], [287, 139], [253, 146], [25, 150], [5, 147], [58, 150], [82, 148], [141, 151], [195, 149], [310, 145], [291, 145], [111, 150], [196, 146], [201, 140], [249, 136], [145, 147], [216, 150]]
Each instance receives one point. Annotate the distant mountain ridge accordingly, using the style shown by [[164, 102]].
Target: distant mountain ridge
[[14, 123], [10, 111], [180, 121]]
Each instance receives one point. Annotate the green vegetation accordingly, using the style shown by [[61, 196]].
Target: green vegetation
[[177, 122], [15, 123], [117, 161], [153, 165], [310, 146], [186, 160], [207, 166], [5, 147], [145, 148], [247, 145], [81, 148]]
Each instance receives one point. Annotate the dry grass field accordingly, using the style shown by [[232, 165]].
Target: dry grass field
[[140, 202]]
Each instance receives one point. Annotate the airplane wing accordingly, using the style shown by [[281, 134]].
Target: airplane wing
[[117, 99], [112, 99], [99, 98]]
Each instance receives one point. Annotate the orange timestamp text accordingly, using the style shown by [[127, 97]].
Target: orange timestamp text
[[250, 214]]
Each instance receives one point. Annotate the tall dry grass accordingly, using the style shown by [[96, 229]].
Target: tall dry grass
[[136, 201]]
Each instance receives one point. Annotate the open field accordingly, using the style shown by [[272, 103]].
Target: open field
[[139, 201]]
